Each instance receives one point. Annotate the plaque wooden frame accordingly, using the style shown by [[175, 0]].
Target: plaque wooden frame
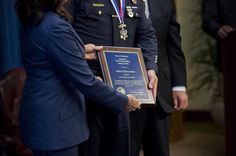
[[107, 76]]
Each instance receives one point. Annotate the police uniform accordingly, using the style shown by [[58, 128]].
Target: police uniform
[[96, 22]]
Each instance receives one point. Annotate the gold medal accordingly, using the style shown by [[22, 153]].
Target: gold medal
[[123, 31], [122, 25], [134, 1], [123, 34], [120, 14]]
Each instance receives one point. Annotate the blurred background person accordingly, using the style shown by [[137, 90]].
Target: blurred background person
[[219, 21], [52, 111], [150, 126], [219, 17]]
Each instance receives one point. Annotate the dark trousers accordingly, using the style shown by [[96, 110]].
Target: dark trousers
[[149, 128], [109, 133], [72, 151]]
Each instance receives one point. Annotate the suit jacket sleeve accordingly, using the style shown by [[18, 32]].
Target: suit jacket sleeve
[[210, 17], [175, 53], [67, 52], [146, 39]]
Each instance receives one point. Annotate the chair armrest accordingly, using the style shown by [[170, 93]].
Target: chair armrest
[[7, 144], [5, 141]]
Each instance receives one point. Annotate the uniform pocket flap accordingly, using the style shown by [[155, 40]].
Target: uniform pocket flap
[[96, 9]]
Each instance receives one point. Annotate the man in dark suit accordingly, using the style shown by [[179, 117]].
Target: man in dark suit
[[219, 21], [219, 17], [149, 126], [97, 22]]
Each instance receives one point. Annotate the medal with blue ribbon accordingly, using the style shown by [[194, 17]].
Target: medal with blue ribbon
[[120, 14]]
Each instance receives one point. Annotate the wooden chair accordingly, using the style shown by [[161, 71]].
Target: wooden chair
[[11, 85]]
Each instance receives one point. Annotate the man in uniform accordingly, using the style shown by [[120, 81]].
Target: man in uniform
[[113, 23], [150, 126]]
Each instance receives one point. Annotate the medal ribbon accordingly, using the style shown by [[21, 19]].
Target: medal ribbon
[[119, 10]]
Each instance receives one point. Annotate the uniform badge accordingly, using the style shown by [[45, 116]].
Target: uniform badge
[[98, 5], [134, 1], [132, 11], [130, 14], [129, 11]]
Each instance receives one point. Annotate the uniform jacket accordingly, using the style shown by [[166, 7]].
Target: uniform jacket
[[52, 114], [96, 22], [171, 60]]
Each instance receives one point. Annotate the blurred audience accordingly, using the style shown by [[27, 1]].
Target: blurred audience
[[219, 21]]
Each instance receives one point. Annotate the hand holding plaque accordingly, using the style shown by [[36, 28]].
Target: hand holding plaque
[[133, 104], [124, 70], [90, 51]]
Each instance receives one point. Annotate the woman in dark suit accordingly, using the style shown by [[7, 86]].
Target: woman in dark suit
[[52, 113]]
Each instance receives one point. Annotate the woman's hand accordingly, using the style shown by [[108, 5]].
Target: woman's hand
[[90, 51], [133, 104]]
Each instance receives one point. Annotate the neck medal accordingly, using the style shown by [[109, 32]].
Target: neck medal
[[120, 14]]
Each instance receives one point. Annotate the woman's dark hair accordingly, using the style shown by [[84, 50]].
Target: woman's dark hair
[[31, 12]]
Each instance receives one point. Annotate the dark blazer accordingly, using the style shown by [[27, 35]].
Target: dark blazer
[[216, 13], [52, 114], [171, 60]]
